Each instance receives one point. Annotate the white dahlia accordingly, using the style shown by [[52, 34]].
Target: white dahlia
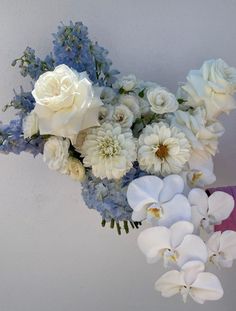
[[162, 149], [109, 151]]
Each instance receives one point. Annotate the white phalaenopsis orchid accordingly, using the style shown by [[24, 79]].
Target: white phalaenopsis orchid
[[159, 201], [192, 281], [209, 211], [222, 248], [175, 245]]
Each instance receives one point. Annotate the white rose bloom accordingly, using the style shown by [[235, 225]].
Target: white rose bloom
[[162, 149], [127, 83], [76, 169], [109, 151], [123, 116], [202, 134], [30, 125], [161, 100], [107, 95], [105, 113], [212, 86], [56, 154], [132, 102], [65, 102]]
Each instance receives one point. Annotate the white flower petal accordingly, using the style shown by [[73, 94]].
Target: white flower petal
[[139, 213], [172, 185], [228, 244], [144, 190], [175, 210], [192, 248], [179, 230], [198, 197], [206, 287], [169, 284], [152, 240], [221, 205], [191, 270]]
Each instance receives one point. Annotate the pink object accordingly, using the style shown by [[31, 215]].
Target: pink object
[[230, 223]]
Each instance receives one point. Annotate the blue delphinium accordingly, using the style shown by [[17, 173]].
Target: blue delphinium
[[23, 101], [33, 66], [108, 197], [73, 47]]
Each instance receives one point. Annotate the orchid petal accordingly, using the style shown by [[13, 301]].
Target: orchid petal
[[191, 270], [221, 205], [206, 287], [139, 213], [228, 244], [144, 190], [198, 197], [152, 240], [192, 248], [169, 284], [175, 210], [197, 216], [172, 185], [179, 230], [213, 243]]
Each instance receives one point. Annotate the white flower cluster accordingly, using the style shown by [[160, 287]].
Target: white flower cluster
[[174, 237]]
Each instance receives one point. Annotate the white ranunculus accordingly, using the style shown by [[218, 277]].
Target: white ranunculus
[[175, 245], [65, 102], [131, 101], [162, 149], [56, 154], [161, 100], [159, 201], [190, 281], [209, 211], [127, 83], [222, 248], [109, 150], [212, 86], [76, 169], [123, 116], [30, 125]]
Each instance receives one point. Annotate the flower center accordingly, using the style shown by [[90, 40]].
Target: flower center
[[154, 211], [109, 147], [195, 177], [162, 151]]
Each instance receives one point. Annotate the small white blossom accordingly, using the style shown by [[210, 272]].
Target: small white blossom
[[131, 101], [123, 116], [161, 100], [75, 169], [127, 83]]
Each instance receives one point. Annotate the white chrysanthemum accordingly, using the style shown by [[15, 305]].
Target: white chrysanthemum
[[30, 125], [123, 116], [109, 151], [162, 149], [161, 100], [131, 101], [76, 169], [56, 154]]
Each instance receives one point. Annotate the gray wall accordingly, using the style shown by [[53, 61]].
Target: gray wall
[[53, 253]]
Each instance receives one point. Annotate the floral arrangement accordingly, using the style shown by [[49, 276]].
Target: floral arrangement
[[140, 152]]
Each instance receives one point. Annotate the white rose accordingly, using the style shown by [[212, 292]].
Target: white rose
[[30, 125], [123, 116], [212, 86], [127, 83], [56, 154], [161, 100], [76, 169], [65, 102], [132, 103], [107, 95]]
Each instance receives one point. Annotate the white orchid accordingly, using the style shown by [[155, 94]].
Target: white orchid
[[192, 281], [175, 245], [207, 212], [159, 201], [222, 248]]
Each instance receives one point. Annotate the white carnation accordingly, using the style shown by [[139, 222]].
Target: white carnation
[[109, 151], [162, 149], [30, 125], [161, 100], [56, 154]]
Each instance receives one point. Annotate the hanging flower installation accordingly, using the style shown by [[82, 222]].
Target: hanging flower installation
[[140, 152]]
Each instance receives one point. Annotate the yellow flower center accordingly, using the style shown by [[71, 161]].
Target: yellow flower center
[[162, 151], [154, 212]]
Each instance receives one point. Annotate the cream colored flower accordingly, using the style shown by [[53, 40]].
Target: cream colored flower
[[162, 149], [123, 116], [65, 102], [76, 169], [30, 125], [127, 83], [109, 151], [56, 154], [161, 100], [132, 103]]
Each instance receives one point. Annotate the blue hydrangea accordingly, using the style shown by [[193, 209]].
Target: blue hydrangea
[[33, 66], [73, 47], [12, 139], [108, 197]]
